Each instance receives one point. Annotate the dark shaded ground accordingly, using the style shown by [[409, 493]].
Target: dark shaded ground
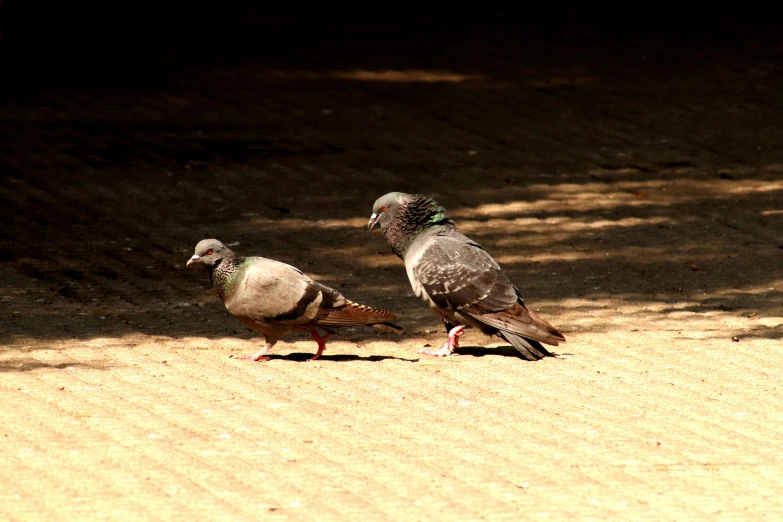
[[628, 176]]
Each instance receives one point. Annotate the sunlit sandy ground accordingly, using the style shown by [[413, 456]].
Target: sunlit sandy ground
[[637, 208]]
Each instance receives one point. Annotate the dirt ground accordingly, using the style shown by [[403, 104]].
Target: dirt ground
[[630, 181]]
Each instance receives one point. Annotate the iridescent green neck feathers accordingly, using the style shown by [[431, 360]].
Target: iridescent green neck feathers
[[416, 214], [226, 274]]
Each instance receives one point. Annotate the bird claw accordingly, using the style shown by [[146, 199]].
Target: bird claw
[[452, 343], [255, 357], [259, 356], [321, 345], [443, 352]]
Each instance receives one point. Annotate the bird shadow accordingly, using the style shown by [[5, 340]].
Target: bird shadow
[[304, 357], [20, 365], [503, 351]]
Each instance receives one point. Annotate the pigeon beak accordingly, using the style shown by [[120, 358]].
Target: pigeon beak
[[194, 259], [373, 221]]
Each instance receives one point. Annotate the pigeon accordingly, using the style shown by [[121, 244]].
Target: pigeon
[[457, 278], [277, 299]]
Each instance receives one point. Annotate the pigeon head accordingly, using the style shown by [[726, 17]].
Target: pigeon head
[[402, 216], [210, 252], [414, 210], [386, 209]]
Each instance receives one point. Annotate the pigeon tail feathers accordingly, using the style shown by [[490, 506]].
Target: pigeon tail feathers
[[355, 314], [521, 321], [530, 349], [389, 327]]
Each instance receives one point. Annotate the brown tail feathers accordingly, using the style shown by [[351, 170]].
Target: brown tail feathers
[[355, 314]]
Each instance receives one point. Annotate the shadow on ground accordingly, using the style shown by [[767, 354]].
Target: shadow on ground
[[29, 365], [618, 173]]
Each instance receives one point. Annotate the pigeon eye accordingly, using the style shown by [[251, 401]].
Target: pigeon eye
[[209, 252], [383, 208]]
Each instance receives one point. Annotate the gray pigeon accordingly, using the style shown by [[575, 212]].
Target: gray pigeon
[[456, 277], [277, 299]]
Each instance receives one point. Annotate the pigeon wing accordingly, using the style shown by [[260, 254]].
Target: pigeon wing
[[274, 292], [457, 273]]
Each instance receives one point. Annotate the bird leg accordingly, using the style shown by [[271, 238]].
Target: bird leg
[[260, 355], [452, 343], [321, 344]]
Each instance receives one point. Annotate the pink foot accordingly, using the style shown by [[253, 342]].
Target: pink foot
[[321, 344], [259, 356], [256, 357], [452, 343]]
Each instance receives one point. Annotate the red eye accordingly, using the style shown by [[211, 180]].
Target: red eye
[[383, 208], [209, 252]]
